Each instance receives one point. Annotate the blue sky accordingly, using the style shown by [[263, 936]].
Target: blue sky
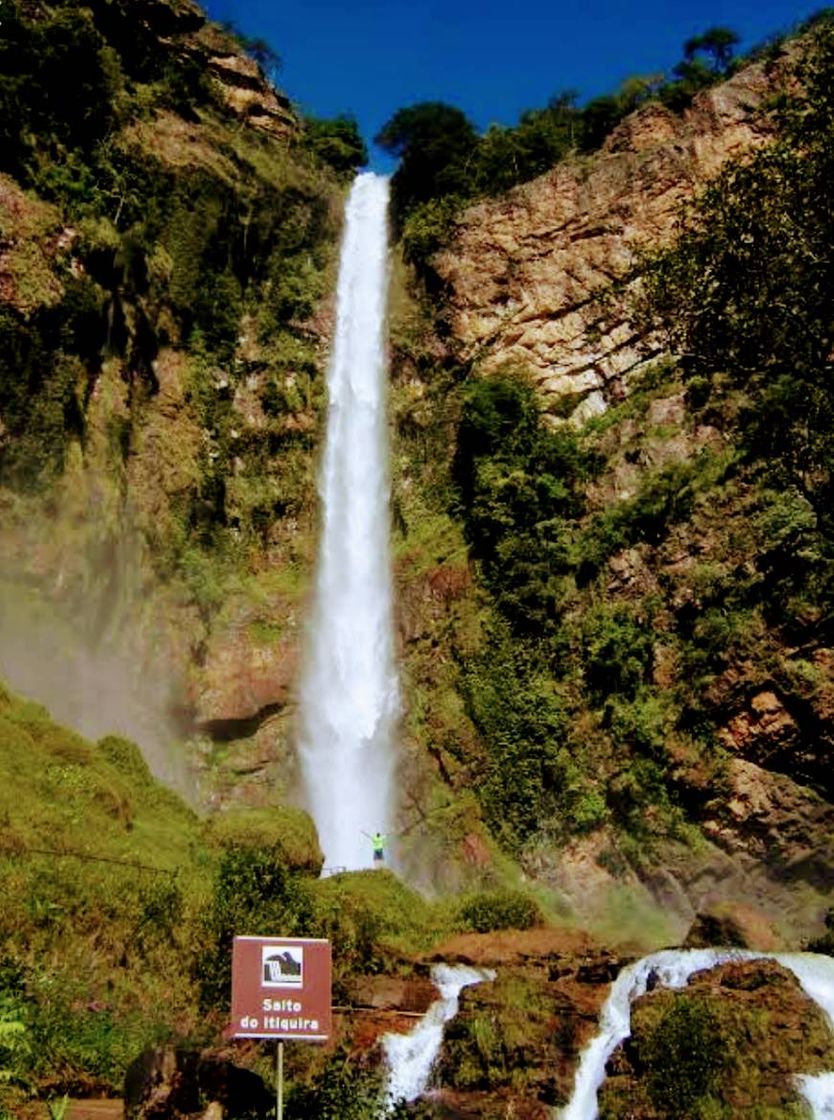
[[491, 58]]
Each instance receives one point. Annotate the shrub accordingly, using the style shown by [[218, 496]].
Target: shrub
[[743, 294], [372, 919], [336, 142], [504, 909], [254, 893], [617, 651], [512, 701], [519, 486], [684, 1056], [346, 1090], [290, 830]]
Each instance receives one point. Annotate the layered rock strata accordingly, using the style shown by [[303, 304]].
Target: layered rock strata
[[525, 271]]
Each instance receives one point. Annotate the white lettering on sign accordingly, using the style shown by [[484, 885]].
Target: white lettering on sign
[[247, 1023], [280, 1005]]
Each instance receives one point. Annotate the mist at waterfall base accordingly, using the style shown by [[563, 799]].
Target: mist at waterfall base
[[96, 679], [672, 968], [349, 697]]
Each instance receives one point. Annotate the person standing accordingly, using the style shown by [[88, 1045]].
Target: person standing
[[378, 846]]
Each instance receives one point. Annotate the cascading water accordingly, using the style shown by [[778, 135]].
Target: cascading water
[[349, 700], [672, 968], [411, 1057]]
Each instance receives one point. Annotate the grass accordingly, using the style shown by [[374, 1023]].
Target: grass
[[101, 870]]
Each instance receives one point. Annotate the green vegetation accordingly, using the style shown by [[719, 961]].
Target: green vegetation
[[102, 877], [519, 484], [686, 1055], [190, 234], [744, 293], [336, 142], [120, 907], [347, 1089], [500, 910], [719, 1050], [598, 642], [160, 360], [502, 1044]]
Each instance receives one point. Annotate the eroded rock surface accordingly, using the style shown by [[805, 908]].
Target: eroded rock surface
[[524, 270]]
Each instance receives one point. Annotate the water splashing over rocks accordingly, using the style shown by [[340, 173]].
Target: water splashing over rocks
[[411, 1057], [672, 968]]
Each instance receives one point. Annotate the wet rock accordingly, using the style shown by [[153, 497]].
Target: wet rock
[[246, 678], [782, 825], [752, 1020], [388, 993], [601, 970]]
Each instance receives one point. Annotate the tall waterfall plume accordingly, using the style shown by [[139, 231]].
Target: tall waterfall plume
[[349, 703]]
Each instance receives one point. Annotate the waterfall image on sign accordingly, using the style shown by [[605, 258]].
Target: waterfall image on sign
[[349, 703]]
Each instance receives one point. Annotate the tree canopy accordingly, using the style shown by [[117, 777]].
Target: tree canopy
[[433, 142], [337, 142]]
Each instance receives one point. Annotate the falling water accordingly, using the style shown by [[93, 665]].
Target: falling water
[[349, 696], [672, 968], [411, 1057]]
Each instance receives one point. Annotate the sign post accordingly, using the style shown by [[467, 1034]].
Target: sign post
[[279, 1080], [281, 989]]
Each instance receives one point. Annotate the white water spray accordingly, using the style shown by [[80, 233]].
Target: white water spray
[[672, 968], [349, 700], [411, 1057]]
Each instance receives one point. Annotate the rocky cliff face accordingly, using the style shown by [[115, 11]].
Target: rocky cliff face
[[127, 488], [525, 271], [673, 548]]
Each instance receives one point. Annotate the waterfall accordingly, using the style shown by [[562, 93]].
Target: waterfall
[[411, 1056], [349, 701], [672, 968]]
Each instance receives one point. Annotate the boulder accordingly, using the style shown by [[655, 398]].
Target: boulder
[[734, 924], [174, 1083]]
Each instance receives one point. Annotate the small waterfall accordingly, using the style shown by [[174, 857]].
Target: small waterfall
[[349, 701], [672, 968], [411, 1057]]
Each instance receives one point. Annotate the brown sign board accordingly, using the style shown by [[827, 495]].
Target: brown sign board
[[281, 988]]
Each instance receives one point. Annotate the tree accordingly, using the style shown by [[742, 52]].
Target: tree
[[707, 58], [718, 44], [518, 482], [434, 143], [337, 142], [745, 295]]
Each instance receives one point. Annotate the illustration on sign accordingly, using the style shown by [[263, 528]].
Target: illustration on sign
[[283, 968]]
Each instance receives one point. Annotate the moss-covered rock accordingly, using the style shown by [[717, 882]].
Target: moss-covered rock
[[730, 1044], [290, 830]]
